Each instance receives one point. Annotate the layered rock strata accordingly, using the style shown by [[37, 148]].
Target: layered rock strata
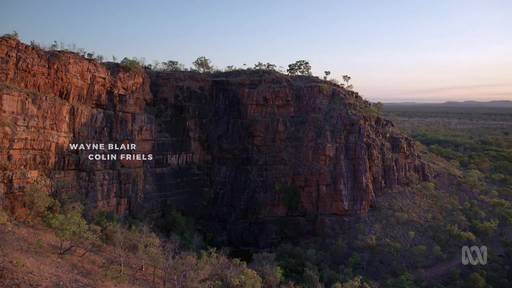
[[256, 156]]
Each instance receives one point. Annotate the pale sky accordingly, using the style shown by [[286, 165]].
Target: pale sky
[[408, 50]]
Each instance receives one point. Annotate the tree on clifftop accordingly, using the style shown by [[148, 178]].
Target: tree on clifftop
[[346, 79], [172, 65], [131, 64], [203, 65], [300, 67], [326, 74], [263, 66]]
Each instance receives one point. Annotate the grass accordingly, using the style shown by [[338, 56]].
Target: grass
[[28, 258]]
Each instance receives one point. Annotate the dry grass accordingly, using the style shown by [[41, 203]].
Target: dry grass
[[29, 258]]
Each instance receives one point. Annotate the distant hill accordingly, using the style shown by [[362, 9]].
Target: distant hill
[[460, 104]]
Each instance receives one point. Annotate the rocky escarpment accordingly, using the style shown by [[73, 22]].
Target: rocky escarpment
[[51, 99], [255, 156]]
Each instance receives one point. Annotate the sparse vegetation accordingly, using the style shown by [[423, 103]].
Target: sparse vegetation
[[266, 266], [138, 251], [265, 66], [201, 64], [171, 65], [374, 109], [13, 34], [484, 155]]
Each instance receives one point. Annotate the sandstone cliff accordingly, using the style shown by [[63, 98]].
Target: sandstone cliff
[[255, 156]]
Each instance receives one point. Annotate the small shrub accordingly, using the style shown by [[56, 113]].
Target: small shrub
[[36, 199], [104, 218], [404, 281], [455, 232], [473, 179], [266, 266], [487, 228], [209, 269], [357, 282], [427, 187], [14, 35], [174, 222], [131, 64]]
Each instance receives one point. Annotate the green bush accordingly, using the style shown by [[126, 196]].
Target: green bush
[[266, 267], [36, 199], [473, 179], [104, 218], [503, 209], [428, 187], [455, 232], [70, 227], [173, 222], [131, 64], [209, 269], [486, 228], [371, 111]]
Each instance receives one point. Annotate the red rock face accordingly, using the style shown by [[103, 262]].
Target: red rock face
[[51, 99], [255, 156]]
